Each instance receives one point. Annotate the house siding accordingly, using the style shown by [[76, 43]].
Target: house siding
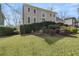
[[71, 22], [37, 15]]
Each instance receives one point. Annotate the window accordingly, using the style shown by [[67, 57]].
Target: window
[[28, 19], [54, 15], [50, 15], [43, 19], [43, 15], [34, 11], [34, 20], [28, 9]]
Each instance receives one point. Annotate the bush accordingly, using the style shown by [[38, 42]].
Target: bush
[[45, 30], [52, 29], [25, 29], [60, 24], [72, 29], [53, 26], [36, 27], [46, 27], [28, 29], [5, 31], [69, 29]]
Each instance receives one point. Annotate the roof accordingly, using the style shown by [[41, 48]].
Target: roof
[[59, 18], [70, 18], [41, 8]]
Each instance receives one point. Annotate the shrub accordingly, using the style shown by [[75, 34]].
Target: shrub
[[5, 31], [36, 26], [28, 29], [53, 26], [25, 29], [69, 29], [60, 24], [57, 31], [52, 29], [46, 27], [72, 29], [45, 30]]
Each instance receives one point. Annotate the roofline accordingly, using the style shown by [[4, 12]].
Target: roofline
[[40, 8], [69, 18]]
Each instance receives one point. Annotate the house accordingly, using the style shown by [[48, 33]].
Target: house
[[71, 21], [1, 17], [32, 14], [78, 23], [59, 20]]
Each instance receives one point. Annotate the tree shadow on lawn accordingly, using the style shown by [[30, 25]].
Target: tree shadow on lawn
[[54, 38], [51, 39], [72, 36], [6, 36]]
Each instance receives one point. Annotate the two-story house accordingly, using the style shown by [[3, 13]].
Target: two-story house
[[32, 14]]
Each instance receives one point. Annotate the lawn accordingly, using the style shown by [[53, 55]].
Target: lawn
[[45, 45]]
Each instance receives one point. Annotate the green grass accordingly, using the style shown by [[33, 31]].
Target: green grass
[[44, 45]]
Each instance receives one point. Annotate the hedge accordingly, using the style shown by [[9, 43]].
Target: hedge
[[71, 29], [5, 31], [24, 29], [53, 26]]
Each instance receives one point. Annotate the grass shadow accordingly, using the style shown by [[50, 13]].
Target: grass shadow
[[72, 36], [6, 36], [51, 39], [54, 38]]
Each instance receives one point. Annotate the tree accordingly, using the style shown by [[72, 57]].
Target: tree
[[63, 14], [13, 16], [2, 17]]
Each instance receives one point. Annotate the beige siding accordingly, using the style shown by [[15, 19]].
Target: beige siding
[[68, 22], [38, 14]]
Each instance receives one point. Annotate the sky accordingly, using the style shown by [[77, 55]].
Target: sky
[[70, 9]]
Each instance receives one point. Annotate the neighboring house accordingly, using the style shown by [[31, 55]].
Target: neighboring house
[[32, 14], [71, 21], [78, 22], [1, 17]]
